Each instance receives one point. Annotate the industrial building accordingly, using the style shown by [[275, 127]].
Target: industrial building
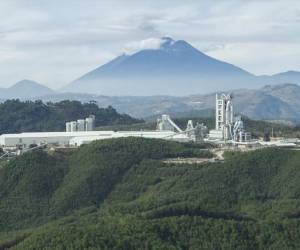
[[229, 129], [80, 132], [80, 140], [25, 140], [55, 138]]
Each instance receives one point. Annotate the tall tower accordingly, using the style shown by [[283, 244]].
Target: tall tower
[[220, 112], [224, 115]]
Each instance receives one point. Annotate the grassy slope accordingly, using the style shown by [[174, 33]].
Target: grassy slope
[[118, 194]]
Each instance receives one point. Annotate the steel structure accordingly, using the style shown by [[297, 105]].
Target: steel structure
[[224, 115], [166, 124], [227, 127]]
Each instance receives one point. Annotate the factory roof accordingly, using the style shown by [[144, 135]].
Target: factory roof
[[58, 134], [85, 133]]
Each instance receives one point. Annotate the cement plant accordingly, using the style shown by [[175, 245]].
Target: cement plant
[[229, 132]]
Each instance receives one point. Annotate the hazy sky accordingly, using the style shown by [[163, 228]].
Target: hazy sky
[[56, 41]]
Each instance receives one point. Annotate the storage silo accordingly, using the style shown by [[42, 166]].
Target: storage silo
[[68, 127], [81, 125], [90, 123], [73, 126]]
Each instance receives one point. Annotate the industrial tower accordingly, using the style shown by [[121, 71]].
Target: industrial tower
[[224, 115]]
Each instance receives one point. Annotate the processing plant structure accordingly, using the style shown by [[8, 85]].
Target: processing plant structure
[[82, 132], [229, 129]]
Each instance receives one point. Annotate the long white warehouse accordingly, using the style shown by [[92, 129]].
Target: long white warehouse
[[79, 138], [166, 129]]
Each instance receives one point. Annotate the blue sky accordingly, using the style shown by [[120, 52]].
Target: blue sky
[[54, 42]]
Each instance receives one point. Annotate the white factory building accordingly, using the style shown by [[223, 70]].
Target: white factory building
[[78, 133], [79, 138]]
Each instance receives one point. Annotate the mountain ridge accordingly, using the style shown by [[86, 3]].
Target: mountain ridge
[[271, 102], [25, 89]]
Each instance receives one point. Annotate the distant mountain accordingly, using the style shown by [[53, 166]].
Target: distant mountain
[[175, 68], [25, 89], [284, 77], [174, 78], [277, 102], [138, 106], [273, 102]]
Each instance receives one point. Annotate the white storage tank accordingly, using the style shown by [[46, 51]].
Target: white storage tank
[[81, 125], [68, 126], [73, 126], [90, 123]]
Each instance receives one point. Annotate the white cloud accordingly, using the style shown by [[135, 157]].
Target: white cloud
[[56, 41], [261, 58], [150, 43]]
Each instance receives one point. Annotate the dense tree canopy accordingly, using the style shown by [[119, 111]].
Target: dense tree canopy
[[119, 194], [18, 116]]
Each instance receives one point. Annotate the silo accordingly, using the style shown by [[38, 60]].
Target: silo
[[68, 127], [90, 123], [81, 125], [73, 126]]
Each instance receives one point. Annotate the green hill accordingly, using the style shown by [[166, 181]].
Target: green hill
[[28, 116], [118, 194]]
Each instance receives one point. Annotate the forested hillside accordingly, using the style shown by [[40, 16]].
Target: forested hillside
[[118, 194], [18, 116]]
